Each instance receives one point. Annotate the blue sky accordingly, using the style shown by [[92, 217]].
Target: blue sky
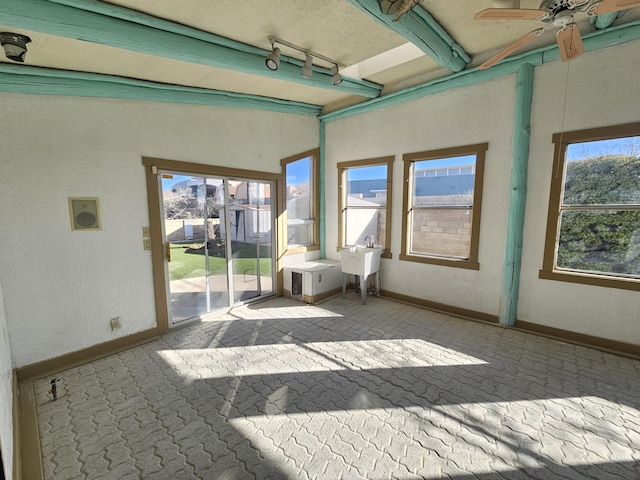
[[367, 173], [577, 151], [446, 162], [298, 171], [168, 183]]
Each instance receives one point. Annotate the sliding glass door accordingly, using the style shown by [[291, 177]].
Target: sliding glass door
[[218, 237], [250, 222]]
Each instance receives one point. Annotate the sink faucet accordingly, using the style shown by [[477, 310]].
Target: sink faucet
[[369, 241]]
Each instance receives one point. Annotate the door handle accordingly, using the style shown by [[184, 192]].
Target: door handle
[[168, 251]]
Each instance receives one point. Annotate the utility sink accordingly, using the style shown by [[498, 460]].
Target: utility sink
[[361, 261]]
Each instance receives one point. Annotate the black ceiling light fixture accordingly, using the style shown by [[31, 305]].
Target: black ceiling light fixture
[[273, 59], [15, 45]]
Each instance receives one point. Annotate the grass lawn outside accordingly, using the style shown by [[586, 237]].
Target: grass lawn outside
[[188, 260]]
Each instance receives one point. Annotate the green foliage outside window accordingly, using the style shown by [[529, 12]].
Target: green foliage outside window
[[606, 237], [600, 242], [607, 180]]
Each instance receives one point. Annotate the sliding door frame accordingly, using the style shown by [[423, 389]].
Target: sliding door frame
[[152, 168]]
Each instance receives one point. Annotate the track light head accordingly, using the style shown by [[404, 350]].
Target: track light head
[[307, 70], [273, 59], [15, 45], [336, 78]]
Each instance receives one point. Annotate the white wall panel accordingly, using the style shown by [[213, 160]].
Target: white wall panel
[[62, 287], [597, 89], [602, 89], [464, 116]]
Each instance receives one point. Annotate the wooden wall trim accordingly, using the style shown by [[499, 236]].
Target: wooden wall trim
[[30, 464], [603, 344], [15, 420], [599, 343], [210, 170], [157, 250], [86, 355], [441, 307]]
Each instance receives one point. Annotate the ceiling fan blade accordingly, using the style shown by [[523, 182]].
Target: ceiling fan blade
[[511, 48], [511, 14], [608, 6], [569, 42]]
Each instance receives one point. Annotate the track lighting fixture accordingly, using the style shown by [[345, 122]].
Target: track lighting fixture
[[273, 59], [336, 78], [15, 45], [306, 70]]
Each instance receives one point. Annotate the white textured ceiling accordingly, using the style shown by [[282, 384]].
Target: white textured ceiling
[[334, 28]]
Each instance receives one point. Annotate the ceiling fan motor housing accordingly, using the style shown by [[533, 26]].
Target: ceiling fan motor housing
[[563, 18], [560, 8]]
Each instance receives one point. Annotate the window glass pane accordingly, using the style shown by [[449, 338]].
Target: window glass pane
[[434, 185], [363, 222], [367, 186], [298, 208], [444, 232], [299, 234], [603, 241], [298, 180], [299, 202], [604, 172]]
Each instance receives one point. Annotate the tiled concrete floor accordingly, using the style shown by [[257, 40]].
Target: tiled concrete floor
[[343, 390]]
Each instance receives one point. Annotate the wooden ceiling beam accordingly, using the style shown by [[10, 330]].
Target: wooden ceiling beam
[[107, 24], [30, 80], [421, 29]]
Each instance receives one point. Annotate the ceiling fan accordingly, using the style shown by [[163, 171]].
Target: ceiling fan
[[397, 7], [558, 13]]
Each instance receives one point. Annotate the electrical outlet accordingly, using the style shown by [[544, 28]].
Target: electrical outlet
[[146, 243], [319, 277], [115, 323], [146, 232]]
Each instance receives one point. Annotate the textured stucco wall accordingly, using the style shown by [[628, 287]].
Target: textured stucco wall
[[62, 287], [603, 90], [464, 116], [6, 396]]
